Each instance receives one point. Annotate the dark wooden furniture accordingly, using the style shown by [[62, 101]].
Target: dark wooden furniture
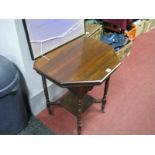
[[78, 66]]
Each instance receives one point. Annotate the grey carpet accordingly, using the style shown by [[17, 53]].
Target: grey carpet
[[36, 127]]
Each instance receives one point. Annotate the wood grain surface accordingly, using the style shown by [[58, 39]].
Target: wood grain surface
[[82, 61]]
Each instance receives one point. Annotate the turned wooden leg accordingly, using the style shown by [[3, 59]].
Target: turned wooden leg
[[46, 94], [80, 92], [105, 94], [79, 122]]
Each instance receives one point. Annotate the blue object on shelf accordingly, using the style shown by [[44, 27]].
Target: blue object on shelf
[[110, 38], [115, 40]]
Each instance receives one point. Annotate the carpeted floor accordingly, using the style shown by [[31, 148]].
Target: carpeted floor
[[35, 127], [131, 98]]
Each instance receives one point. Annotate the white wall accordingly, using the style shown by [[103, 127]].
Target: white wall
[[13, 45], [9, 45]]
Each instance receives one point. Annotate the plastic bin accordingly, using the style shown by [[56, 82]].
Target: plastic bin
[[131, 33], [13, 114]]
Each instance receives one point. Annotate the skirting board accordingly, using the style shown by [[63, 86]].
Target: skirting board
[[38, 103]]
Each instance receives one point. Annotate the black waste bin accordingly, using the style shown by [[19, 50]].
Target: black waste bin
[[13, 114]]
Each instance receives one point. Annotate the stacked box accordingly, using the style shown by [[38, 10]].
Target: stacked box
[[139, 27], [152, 25], [94, 31], [148, 25], [124, 51]]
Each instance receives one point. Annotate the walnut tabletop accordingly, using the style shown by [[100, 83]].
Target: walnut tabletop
[[78, 65], [83, 61]]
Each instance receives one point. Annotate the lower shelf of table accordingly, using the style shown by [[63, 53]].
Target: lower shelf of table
[[70, 102]]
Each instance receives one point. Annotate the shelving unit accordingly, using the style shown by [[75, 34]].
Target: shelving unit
[[137, 28]]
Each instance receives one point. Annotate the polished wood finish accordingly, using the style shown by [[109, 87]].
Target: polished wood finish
[[80, 92], [48, 104], [79, 122], [70, 102], [82, 61], [78, 66], [104, 100]]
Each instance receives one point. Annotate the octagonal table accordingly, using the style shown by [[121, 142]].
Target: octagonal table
[[78, 66]]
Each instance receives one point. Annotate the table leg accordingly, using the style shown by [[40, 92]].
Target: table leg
[[80, 92], [79, 122], [105, 94], [46, 94]]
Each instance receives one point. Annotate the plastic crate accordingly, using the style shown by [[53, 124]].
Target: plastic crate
[[131, 33]]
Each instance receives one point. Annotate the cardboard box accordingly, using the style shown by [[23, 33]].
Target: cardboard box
[[147, 25], [97, 35], [152, 25], [139, 27], [93, 31], [124, 51]]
